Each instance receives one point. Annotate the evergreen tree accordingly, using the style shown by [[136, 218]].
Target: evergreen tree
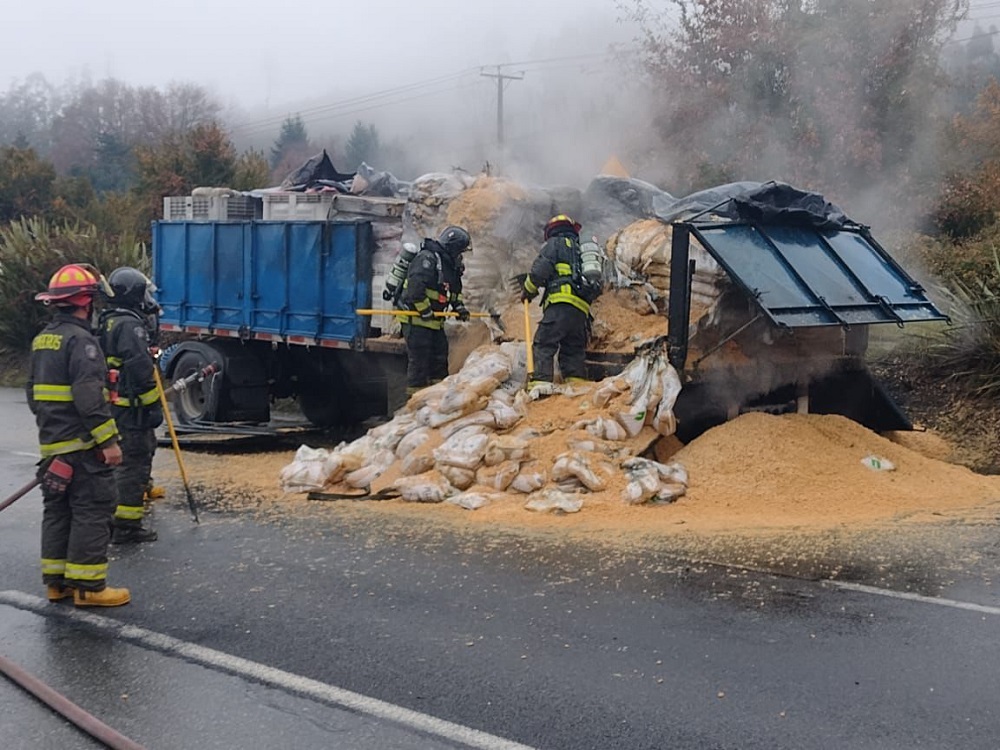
[[363, 145], [292, 140]]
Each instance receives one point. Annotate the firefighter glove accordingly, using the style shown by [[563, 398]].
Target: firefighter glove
[[463, 313], [57, 477], [427, 313], [527, 296]]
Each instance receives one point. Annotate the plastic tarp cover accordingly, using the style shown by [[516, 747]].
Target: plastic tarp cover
[[758, 203], [779, 203], [712, 199], [318, 168]]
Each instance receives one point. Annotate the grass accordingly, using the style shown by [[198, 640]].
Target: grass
[[968, 351], [13, 370], [31, 250]]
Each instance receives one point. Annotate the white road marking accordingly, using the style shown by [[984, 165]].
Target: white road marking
[[270, 676], [953, 603]]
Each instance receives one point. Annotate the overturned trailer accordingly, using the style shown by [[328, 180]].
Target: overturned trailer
[[796, 292]]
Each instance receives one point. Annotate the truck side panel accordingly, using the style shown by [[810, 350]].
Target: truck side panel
[[287, 279]]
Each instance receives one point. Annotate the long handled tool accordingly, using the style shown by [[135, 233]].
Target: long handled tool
[[410, 313], [494, 323], [527, 340], [173, 441]]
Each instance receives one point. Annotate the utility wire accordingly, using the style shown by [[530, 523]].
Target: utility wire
[[970, 38], [386, 93], [348, 106], [321, 117]]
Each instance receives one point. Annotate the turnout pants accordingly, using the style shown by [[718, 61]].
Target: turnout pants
[[564, 330], [132, 476], [427, 355], [76, 525]]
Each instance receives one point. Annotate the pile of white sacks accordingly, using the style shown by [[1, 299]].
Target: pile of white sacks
[[471, 440]]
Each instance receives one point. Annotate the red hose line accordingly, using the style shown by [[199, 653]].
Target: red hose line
[[19, 494], [66, 708]]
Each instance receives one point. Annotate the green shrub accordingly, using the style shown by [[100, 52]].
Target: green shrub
[[968, 262], [30, 252], [968, 351]]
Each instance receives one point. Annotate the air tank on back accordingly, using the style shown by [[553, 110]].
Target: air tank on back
[[397, 274], [592, 262]]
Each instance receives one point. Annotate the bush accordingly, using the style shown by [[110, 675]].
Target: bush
[[967, 262], [30, 252], [968, 351]]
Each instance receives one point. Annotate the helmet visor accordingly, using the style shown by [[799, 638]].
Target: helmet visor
[[102, 283]]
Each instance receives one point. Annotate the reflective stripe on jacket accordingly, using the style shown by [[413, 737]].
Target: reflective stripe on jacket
[[125, 341], [553, 270], [433, 281], [65, 389]]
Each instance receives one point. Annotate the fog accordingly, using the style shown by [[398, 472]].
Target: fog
[[412, 69], [415, 70]]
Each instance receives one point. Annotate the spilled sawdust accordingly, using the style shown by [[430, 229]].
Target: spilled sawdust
[[757, 475], [477, 208], [622, 319]]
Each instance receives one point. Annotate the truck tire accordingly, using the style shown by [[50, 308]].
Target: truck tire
[[200, 402], [321, 406]]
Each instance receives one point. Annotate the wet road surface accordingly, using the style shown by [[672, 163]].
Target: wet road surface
[[525, 639]]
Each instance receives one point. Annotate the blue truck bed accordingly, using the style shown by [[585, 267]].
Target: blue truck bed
[[299, 282]]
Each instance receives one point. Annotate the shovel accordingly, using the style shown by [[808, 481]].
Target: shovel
[[527, 343], [494, 322]]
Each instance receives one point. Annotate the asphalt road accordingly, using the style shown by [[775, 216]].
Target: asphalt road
[[339, 631]]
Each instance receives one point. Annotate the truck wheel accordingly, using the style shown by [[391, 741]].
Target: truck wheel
[[320, 406], [199, 402]]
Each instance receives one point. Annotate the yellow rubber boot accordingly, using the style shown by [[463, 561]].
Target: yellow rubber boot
[[57, 593], [106, 597]]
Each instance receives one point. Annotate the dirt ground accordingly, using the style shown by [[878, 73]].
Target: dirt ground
[[971, 425]]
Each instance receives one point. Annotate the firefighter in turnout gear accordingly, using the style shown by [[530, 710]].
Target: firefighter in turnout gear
[[565, 324], [433, 284], [125, 339], [78, 441]]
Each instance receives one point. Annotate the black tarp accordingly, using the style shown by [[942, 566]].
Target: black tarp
[[757, 203], [317, 170], [780, 203]]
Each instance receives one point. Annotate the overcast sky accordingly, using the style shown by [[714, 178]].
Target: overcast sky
[[258, 52]]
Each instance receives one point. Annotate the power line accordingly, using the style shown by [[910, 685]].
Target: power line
[[974, 36], [323, 116], [391, 96], [272, 120]]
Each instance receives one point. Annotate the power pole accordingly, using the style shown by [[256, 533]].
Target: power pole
[[501, 77]]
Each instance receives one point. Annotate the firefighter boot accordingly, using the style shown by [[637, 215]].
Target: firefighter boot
[[132, 535], [57, 593], [106, 597]]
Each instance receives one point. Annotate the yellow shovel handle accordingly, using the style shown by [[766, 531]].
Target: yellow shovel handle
[[527, 339], [414, 312]]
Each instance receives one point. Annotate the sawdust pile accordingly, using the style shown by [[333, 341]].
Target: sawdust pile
[[479, 208], [764, 470], [758, 473], [622, 319]]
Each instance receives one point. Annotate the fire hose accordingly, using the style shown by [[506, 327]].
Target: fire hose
[[66, 708], [177, 387]]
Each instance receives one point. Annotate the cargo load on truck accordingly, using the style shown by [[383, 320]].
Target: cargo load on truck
[[277, 298]]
